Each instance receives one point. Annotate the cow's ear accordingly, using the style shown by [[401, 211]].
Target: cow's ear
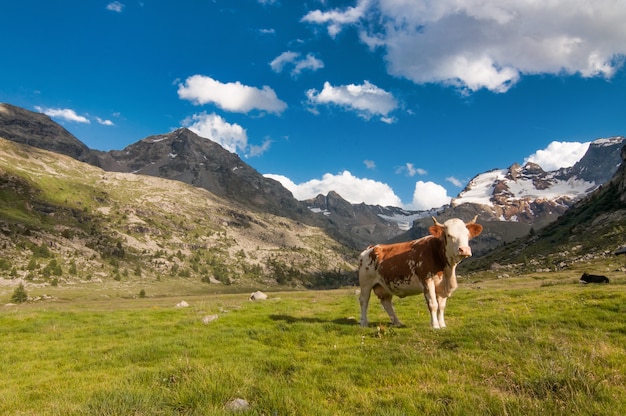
[[474, 229], [436, 230]]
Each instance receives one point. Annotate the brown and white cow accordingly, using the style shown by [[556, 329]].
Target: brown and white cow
[[427, 265]]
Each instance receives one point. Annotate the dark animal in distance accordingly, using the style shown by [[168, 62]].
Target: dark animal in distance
[[426, 265], [593, 278]]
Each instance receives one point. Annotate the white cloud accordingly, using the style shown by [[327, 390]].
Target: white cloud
[[351, 188], [454, 181], [232, 96], [231, 137], [488, 44], [336, 19], [105, 122], [310, 62], [259, 150], [558, 155], [63, 113], [410, 170], [355, 190], [370, 164], [428, 195], [115, 6], [366, 100], [289, 58]]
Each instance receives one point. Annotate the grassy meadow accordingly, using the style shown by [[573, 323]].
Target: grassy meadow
[[530, 345]]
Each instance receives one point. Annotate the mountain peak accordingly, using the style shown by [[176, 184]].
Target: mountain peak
[[531, 195], [36, 129]]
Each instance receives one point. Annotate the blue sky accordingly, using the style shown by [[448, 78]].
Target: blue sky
[[391, 102]]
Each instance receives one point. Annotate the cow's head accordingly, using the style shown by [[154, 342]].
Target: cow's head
[[456, 235]]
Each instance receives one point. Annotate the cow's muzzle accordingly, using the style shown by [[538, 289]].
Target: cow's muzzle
[[465, 251]]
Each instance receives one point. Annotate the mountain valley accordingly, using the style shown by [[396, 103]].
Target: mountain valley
[[181, 206]]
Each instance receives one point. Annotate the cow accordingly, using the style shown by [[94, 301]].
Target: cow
[[426, 265], [593, 278]]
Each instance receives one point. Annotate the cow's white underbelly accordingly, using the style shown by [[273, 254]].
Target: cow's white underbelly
[[404, 286]]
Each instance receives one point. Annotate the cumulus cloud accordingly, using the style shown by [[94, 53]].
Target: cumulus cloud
[[428, 195], [115, 6], [366, 100], [350, 187], [64, 114], [231, 137], [558, 155], [231, 96], [488, 44], [296, 62], [356, 190]]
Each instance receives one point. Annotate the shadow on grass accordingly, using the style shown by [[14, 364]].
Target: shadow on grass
[[293, 319]]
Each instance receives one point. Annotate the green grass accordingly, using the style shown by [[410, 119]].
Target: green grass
[[513, 347]]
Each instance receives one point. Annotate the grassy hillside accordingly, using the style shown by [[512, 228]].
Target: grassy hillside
[[534, 345], [65, 222]]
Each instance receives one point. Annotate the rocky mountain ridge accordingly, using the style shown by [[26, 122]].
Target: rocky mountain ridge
[[510, 202], [383, 223], [530, 195], [67, 222], [184, 156]]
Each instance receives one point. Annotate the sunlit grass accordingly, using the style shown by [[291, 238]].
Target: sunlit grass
[[520, 349]]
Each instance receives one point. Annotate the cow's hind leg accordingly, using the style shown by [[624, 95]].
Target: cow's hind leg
[[385, 299]]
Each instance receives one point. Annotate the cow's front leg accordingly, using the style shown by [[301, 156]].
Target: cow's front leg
[[431, 302], [440, 312], [364, 299]]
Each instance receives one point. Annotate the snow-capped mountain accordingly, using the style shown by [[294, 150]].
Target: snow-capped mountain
[[511, 202], [530, 195]]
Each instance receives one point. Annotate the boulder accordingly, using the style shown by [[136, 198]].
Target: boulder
[[209, 318], [237, 405], [258, 295]]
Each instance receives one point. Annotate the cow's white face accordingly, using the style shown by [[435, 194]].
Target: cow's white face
[[456, 235]]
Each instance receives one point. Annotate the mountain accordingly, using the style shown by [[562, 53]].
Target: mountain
[[369, 223], [530, 195], [67, 222], [512, 202], [592, 227], [38, 130], [184, 156]]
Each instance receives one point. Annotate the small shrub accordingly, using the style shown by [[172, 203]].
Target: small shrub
[[142, 293], [19, 295]]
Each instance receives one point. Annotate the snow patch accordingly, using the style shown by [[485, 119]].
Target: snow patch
[[319, 211], [405, 221]]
